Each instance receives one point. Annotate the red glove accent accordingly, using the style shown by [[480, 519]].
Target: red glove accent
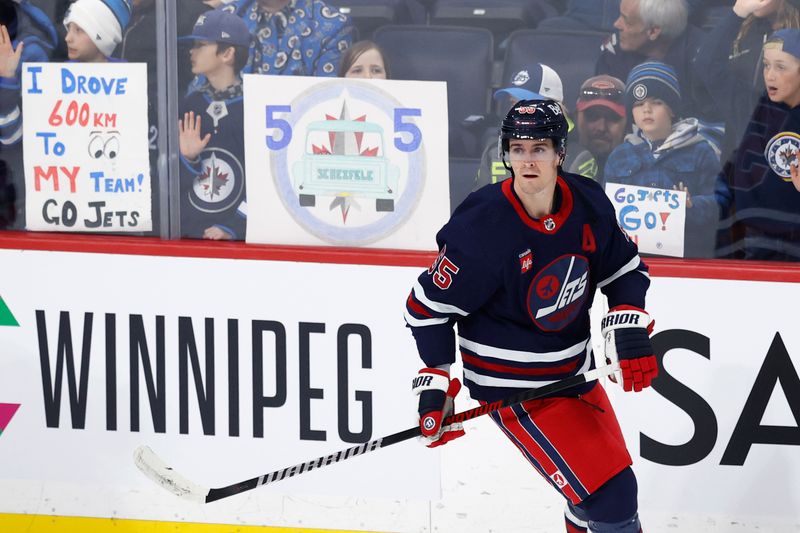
[[436, 396], [638, 374], [626, 330]]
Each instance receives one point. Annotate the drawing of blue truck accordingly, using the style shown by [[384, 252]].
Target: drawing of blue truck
[[345, 158]]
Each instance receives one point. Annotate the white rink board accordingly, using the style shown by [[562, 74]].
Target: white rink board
[[282, 292], [486, 485], [741, 320]]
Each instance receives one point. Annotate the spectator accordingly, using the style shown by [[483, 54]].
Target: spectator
[[602, 121], [668, 154], [139, 45], [294, 37], [31, 33], [364, 59], [94, 28], [538, 82], [212, 202], [657, 30], [729, 59], [756, 187], [29, 25]]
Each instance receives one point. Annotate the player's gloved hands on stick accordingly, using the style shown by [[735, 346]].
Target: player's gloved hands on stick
[[436, 393], [626, 330]]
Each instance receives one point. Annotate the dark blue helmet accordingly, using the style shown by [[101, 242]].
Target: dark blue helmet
[[534, 119]]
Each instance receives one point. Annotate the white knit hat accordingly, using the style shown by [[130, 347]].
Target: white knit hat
[[103, 20]]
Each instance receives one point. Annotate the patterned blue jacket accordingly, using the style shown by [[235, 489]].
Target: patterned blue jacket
[[305, 38]]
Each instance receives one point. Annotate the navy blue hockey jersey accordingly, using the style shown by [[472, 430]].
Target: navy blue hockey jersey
[[213, 189], [519, 289]]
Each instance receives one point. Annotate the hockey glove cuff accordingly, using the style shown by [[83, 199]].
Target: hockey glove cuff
[[436, 393], [626, 330]]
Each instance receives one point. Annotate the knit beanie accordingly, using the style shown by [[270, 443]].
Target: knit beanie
[[653, 79], [103, 20]]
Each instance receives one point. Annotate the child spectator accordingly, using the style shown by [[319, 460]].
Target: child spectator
[[669, 154], [94, 28], [756, 186], [212, 201], [364, 59], [729, 60]]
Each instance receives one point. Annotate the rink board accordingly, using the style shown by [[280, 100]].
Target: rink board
[[722, 338]]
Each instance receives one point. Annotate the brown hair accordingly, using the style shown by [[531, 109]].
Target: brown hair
[[786, 16], [355, 51]]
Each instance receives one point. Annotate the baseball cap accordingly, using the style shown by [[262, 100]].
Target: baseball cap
[[220, 27], [603, 90], [538, 82], [786, 40]]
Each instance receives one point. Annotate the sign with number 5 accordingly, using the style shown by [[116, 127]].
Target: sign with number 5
[[345, 162]]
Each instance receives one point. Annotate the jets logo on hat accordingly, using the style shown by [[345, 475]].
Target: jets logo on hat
[[521, 78], [781, 152], [640, 91]]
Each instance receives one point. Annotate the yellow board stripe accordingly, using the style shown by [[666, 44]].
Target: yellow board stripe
[[28, 523]]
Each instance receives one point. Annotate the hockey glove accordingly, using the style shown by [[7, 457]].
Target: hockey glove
[[626, 330], [436, 393]]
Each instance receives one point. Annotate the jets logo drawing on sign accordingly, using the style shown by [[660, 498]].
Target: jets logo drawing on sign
[[220, 184]]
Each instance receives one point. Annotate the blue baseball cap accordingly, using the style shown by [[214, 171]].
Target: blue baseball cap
[[786, 40], [220, 27]]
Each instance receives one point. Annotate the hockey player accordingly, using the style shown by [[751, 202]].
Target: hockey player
[[518, 265], [212, 132]]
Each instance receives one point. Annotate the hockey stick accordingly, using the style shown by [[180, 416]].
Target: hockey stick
[[158, 471]]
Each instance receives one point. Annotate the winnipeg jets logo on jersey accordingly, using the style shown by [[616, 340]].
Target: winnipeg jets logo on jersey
[[780, 153], [557, 293]]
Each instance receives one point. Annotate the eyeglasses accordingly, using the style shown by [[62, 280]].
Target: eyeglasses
[[593, 93]]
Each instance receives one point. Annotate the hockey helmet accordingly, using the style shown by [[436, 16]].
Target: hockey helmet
[[534, 119]]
